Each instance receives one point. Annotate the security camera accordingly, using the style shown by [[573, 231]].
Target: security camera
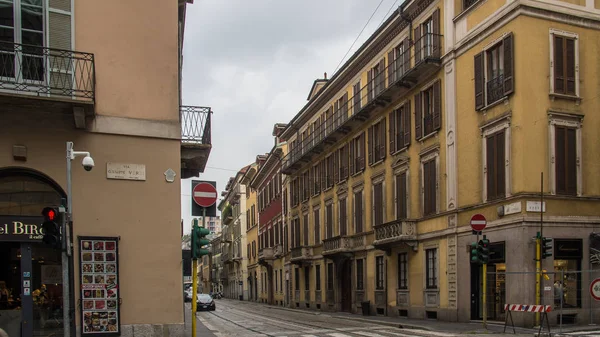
[[88, 163]]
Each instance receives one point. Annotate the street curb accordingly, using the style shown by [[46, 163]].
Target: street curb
[[399, 324]]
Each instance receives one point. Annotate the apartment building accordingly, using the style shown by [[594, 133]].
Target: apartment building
[[448, 110], [69, 74], [217, 272], [267, 182], [252, 231], [233, 236]]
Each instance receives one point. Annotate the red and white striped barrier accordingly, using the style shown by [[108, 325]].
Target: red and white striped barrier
[[528, 307]]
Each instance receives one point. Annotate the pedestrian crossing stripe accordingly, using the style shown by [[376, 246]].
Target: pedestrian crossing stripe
[[431, 333]]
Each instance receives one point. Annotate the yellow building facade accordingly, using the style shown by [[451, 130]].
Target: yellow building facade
[[448, 110], [252, 231]]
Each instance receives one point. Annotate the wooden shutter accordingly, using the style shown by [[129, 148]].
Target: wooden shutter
[[406, 54], [361, 143], [325, 179], [570, 66], [336, 165], [377, 204], [437, 105], [571, 161], [369, 85], [59, 15], [418, 118], [391, 68], [382, 140], [509, 77], [330, 170], [336, 115], [305, 225], [417, 38], [490, 167], [359, 212], [356, 98], [343, 217], [352, 157], [371, 145], [345, 158], [559, 60], [401, 196], [345, 107], [566, 160], [406, 125], [392, 131], [501, 168], [436, 38], [479, 82], [381, 76]]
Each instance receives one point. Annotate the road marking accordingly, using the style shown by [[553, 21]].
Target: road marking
[[396, 333], [309, 336], [368, 334], [432, 333], [335, 334], [206, 324]]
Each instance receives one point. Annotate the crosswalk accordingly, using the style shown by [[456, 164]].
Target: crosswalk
[[373, 332], [594, 333]]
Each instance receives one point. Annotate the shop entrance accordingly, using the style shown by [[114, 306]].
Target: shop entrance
[[31, 297], [496, 285]]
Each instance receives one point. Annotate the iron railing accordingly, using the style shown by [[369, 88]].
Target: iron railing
[[495, 89], [47, 72], [404, 70], [195, 124]]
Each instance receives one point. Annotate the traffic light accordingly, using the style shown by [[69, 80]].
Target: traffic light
[[484, 250], [51, 227], [473, 249], [198, 240], [546, 247]]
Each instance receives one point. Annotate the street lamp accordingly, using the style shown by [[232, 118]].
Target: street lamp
[[88, 164]]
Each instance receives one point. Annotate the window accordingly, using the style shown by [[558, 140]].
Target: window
[[296, 231], [305, 228], [271, 237], [376, 80], [307, 278], [294, 192], [356, 97], [495, 166], [316, 175], [357, 154], [564, 63], [329, 172], [403, 271], [341, 111], [494, 77], [276, 281], [358, 212], [341, 164], [378, 204], [431, 268], [318, 277], [297, 278], [253, 215], [281, 280], [567, 272], [428, 111], [343, 217], [317, 219], [566, 160], [427, 38], [377, 142], [305, 185], [330, 276], [429, 187], [468, 3], [360, 274], [401, 196], [379, 275], [329, 221], [400, 128], [398, 61]]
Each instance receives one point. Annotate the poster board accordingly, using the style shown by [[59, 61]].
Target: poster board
[[99, 286]]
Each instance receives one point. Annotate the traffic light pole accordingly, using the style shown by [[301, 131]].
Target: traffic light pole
[[538, 253], [195, 273], [484, 293], [66, 219]]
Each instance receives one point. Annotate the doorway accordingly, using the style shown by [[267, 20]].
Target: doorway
[[346, 286], [496, 285]]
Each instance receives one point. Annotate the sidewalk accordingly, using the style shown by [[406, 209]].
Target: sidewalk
[[201, 330], [474, 327]]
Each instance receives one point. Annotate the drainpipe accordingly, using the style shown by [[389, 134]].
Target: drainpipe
[[410, 26]]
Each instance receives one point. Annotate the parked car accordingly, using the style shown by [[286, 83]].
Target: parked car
[[187, 292], [205, 302]]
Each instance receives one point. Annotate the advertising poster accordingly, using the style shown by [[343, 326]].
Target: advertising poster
[[99, 279]]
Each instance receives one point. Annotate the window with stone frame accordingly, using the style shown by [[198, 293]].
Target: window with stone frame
[[495, 165], [329, 232], [377, 142], [316, 179], [378, 203], [401, 195], [357, 154], [379, 273], [356, 98], [358, 212], [399, 137], [376, 80], [341, 163], [317, 222], [402, 271], [564, 63], [343, 216], [428, 109], [306, 229], [494, 75], [431, 268], [566, 160], [429, 171], [328, 164]]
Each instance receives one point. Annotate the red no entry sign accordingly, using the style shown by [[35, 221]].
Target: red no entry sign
[[204, 194], [478, 222]]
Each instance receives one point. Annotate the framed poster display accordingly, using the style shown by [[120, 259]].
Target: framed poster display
[[99, 280]]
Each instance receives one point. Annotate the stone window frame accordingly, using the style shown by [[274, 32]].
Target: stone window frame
[[433, 153], [500, 124], [551, 33], [376, 180], [403, 168], [568, 120]]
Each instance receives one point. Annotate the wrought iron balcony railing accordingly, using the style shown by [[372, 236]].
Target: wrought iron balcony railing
[[495, 89], [407, 69], [195, 125], [394, 232], [47, 72]]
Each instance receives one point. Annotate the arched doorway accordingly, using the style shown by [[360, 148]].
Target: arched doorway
[[30, 271]]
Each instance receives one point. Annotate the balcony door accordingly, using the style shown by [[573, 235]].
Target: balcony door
[[22, 25]]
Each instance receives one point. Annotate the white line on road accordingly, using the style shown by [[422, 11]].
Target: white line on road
[[206, 324], [368, 334], [335, 334], [309, 336], [430, 333], [396, 333]]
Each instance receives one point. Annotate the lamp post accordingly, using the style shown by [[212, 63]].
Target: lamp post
[[88, 164]]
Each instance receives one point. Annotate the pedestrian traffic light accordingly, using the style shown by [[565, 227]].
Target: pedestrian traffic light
[[51, 227], [484, 250], [199, 240], [473, 249], [546, 247]]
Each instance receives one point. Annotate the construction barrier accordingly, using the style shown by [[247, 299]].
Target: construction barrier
[[544, 309]]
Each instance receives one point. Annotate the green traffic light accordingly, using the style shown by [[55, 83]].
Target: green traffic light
[[474, 257], [199, 240], [546, 247]]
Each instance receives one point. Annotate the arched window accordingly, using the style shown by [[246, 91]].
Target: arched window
[[26, 193]]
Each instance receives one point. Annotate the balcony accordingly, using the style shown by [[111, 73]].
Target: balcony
[[58, 81], [195, 139], [394, 233], [410, 69], [301, 255]]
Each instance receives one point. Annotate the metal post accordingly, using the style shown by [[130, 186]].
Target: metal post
[[66, 248], [562, 277], [194, 294], [538, 253], [484, 295]]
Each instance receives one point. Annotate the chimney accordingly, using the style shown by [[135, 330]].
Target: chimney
[[325, 75]]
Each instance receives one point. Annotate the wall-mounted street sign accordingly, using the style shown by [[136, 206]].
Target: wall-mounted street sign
[[125, 171], [204, 197], [478, 222]]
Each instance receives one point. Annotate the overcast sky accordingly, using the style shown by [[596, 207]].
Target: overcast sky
[[254, 62]]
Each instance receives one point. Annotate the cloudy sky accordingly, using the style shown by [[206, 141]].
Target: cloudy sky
[[254, 62]]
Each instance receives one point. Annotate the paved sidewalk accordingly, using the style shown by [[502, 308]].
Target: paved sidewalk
[[201, 330]]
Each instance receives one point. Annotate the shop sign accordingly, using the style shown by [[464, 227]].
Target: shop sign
[[21, 228], [99, 279]]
